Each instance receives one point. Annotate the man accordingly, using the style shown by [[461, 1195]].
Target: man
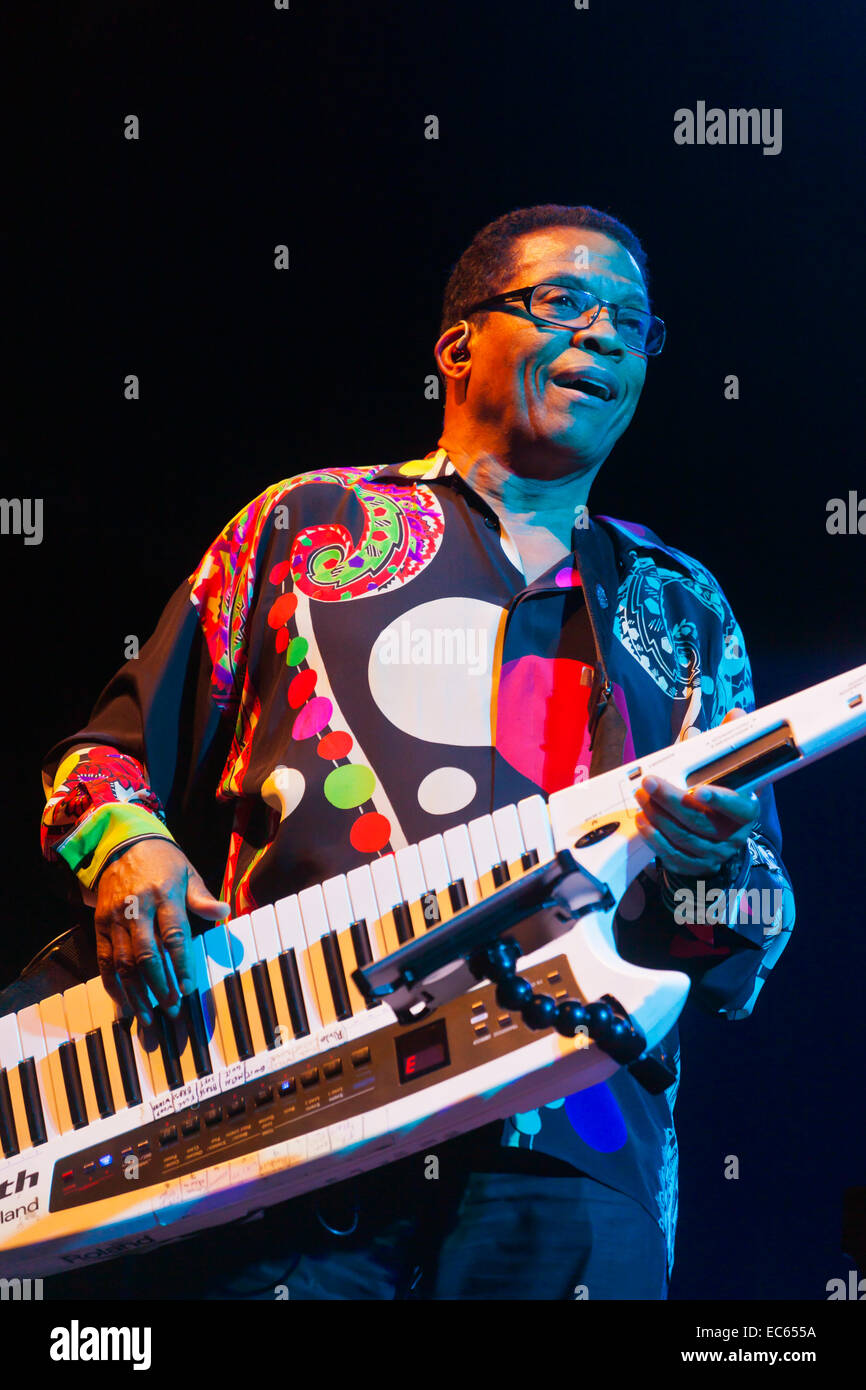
[[365, 657]]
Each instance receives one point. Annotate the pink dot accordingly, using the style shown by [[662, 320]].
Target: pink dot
[[313, 717], [567, 578]]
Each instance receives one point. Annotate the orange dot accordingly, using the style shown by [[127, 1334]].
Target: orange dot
[[282, 639], [279, 572]]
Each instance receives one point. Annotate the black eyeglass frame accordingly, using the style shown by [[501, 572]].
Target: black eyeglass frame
[[525, 296]]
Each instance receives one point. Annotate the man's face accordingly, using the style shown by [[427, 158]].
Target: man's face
[[515, 391]]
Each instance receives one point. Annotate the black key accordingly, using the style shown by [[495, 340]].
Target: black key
[[265, 1001], [72, 1082], [529, 859], [238, 1015], [99, 1072], [361, 942], [126, 1060], [294, 993], [169, 1049], [193, 1016], [457, 894], [8, 1132], [336, 975], [32, 1100], [403, 922], [500, 874]]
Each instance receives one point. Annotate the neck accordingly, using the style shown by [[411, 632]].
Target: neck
[[550, 504]]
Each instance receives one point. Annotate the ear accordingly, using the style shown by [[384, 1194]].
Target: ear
[[452, 353]]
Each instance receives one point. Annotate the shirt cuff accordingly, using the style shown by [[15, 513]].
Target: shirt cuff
[[102, 833]]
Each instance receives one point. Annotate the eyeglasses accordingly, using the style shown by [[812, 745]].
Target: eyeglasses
[[573, 308]]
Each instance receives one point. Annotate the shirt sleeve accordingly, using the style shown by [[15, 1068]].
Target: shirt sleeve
[[151, 759], [725, 933]]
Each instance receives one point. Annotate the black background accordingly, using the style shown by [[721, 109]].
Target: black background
[[306, 127]]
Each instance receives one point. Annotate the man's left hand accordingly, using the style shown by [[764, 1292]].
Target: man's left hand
[[693, 836]]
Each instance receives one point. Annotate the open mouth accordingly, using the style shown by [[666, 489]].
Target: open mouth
[[587, 386]]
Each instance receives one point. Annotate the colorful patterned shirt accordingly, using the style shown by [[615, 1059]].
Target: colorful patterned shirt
[[358, 663]]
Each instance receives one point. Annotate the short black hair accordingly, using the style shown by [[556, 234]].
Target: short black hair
[[484, 267]]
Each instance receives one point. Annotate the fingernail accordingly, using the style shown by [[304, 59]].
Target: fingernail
[[651, 784], [704, 794]]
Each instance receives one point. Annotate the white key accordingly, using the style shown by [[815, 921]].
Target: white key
[[485, 852], [33, 1045], [506, 826], [242, 931], [55, 1032], [291, 929], [461, 861], [410, 872], [10, 1056], [103, 1012], [314, 915], [211, 1022], [219, 962], [76, 1006], [338, 906], [535, 824], [437, 876], [365, 907], [388, 895], [268, 948]]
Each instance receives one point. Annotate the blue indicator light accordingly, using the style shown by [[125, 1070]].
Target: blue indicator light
[[105, 1160]]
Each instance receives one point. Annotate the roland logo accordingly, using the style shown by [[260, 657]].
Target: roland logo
[[10, 1187]]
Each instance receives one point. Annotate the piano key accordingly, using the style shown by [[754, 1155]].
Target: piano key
[[204, 993], [99, 1072], [32, 1101], [168, 1047], [121, 1030], [104, 1014], [410, 872], [324, 960], [10, 1056], [54, 1030], [243, 936], [192, 1013], [534, 820], [365, 908], [33, 1046], [509, 838], [265, 1001], [437, 877], [76, 1006], [218, 960], [147, 1041], [461, 863], [72, 1079], [295, 994], [353, 938], [238, 1016], [8, 1129], [394, 915], [268, 947], [492, 873], [296, 968]]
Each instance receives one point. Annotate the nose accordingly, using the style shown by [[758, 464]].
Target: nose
[[601, 332]]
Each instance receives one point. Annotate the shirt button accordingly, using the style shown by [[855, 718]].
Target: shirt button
[[491, 522]]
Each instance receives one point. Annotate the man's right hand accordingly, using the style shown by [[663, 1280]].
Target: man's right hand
[[143, 898]]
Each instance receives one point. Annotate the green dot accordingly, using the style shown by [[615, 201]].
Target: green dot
[[305, 540], [297, 650], [392, 569], [349, 786]]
